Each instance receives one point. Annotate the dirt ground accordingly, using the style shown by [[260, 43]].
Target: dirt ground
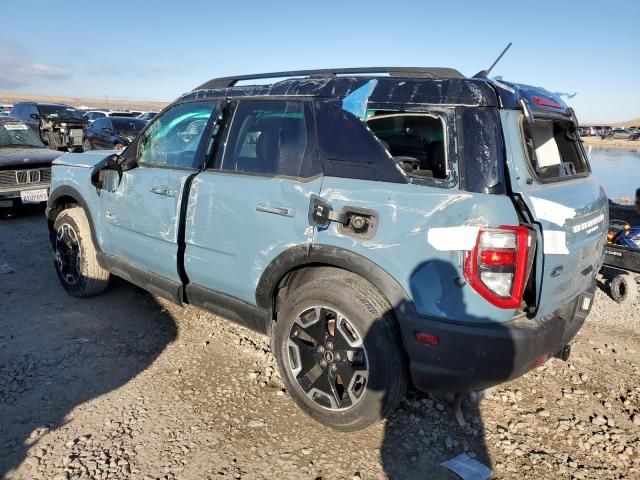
[[112, 103], [126, 385]]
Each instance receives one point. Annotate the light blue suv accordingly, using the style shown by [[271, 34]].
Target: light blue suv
[[413, 224]]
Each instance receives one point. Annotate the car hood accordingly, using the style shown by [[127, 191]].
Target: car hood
[[69, 120], [84, 160], [26, 156]]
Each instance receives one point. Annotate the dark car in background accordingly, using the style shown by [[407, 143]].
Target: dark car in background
[[25, 165], [59, 126], [112, 132]]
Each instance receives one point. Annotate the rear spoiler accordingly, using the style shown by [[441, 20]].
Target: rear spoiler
[[533, 101]]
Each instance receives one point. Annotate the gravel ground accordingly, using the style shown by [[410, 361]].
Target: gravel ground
[[126, 385]]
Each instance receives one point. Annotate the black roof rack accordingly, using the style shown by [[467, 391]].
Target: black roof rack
[[415, 72]]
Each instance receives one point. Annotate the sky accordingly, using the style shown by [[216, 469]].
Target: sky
[[157, 50]]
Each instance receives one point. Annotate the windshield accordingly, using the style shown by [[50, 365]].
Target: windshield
[[60, 111], [128, 124], [17, 134]]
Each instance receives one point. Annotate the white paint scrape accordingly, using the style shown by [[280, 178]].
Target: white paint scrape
[[447, 239], [553, 212], [555, 242]]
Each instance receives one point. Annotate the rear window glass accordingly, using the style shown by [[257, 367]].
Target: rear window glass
[[129, 125], [553, 150]]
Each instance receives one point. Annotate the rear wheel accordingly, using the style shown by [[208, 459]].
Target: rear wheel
[[75, 255], [623, 288], [339, 351]]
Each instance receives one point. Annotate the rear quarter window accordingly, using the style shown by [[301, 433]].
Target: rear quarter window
[[553, 150], [349, 147]]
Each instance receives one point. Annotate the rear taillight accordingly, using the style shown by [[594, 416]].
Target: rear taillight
[[497, 266]]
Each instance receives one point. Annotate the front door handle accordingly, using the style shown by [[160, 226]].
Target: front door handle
[[284, 211], [164, 191]]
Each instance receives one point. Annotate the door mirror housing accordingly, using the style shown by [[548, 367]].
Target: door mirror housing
[[107, 130], [35, 116], [108, 173]]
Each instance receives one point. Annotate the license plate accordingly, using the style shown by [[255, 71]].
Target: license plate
[[35, 196]]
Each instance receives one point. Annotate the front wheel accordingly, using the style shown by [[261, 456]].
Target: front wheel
[[75, 255], [339, 351]]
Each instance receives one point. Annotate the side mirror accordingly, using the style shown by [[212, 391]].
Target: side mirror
[[107, 130], [114, 162], [108, 173], [35, 116]]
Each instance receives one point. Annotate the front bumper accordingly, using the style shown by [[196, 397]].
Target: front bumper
[[475, 357]]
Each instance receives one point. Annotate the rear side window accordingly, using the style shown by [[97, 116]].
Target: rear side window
[[350, 148], [554, 151], [269, 137]]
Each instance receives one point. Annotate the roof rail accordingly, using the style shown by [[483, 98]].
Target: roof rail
[[416, 72]]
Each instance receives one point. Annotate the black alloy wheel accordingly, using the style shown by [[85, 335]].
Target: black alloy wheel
[[328, 358], [67, 254]]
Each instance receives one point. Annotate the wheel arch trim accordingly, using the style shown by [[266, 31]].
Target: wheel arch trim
[[302, 256], [66, 191]]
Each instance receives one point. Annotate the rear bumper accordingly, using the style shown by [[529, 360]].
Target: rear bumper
[[475, 357]]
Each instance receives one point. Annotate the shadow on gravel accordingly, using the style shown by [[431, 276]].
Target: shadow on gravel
[[22, 211], [424, 432], [58, 352]]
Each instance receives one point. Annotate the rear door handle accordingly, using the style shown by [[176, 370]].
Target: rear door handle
[[283, 211], [164, 191]]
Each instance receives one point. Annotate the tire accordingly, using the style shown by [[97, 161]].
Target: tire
[[623, 288], [313, 357], [87, 145], [51, 140], [75, 256]]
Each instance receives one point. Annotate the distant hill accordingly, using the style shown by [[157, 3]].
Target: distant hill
[[630, 123], [113, 104]]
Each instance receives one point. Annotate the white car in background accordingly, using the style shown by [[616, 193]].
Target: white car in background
[[93, 115]]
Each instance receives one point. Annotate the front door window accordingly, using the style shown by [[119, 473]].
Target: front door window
[[173, 139]]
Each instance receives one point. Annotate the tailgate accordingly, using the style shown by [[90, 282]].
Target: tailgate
[[550, 172]]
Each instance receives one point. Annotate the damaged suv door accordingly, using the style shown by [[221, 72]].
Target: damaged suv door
[[251, 204], [141, 210]]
